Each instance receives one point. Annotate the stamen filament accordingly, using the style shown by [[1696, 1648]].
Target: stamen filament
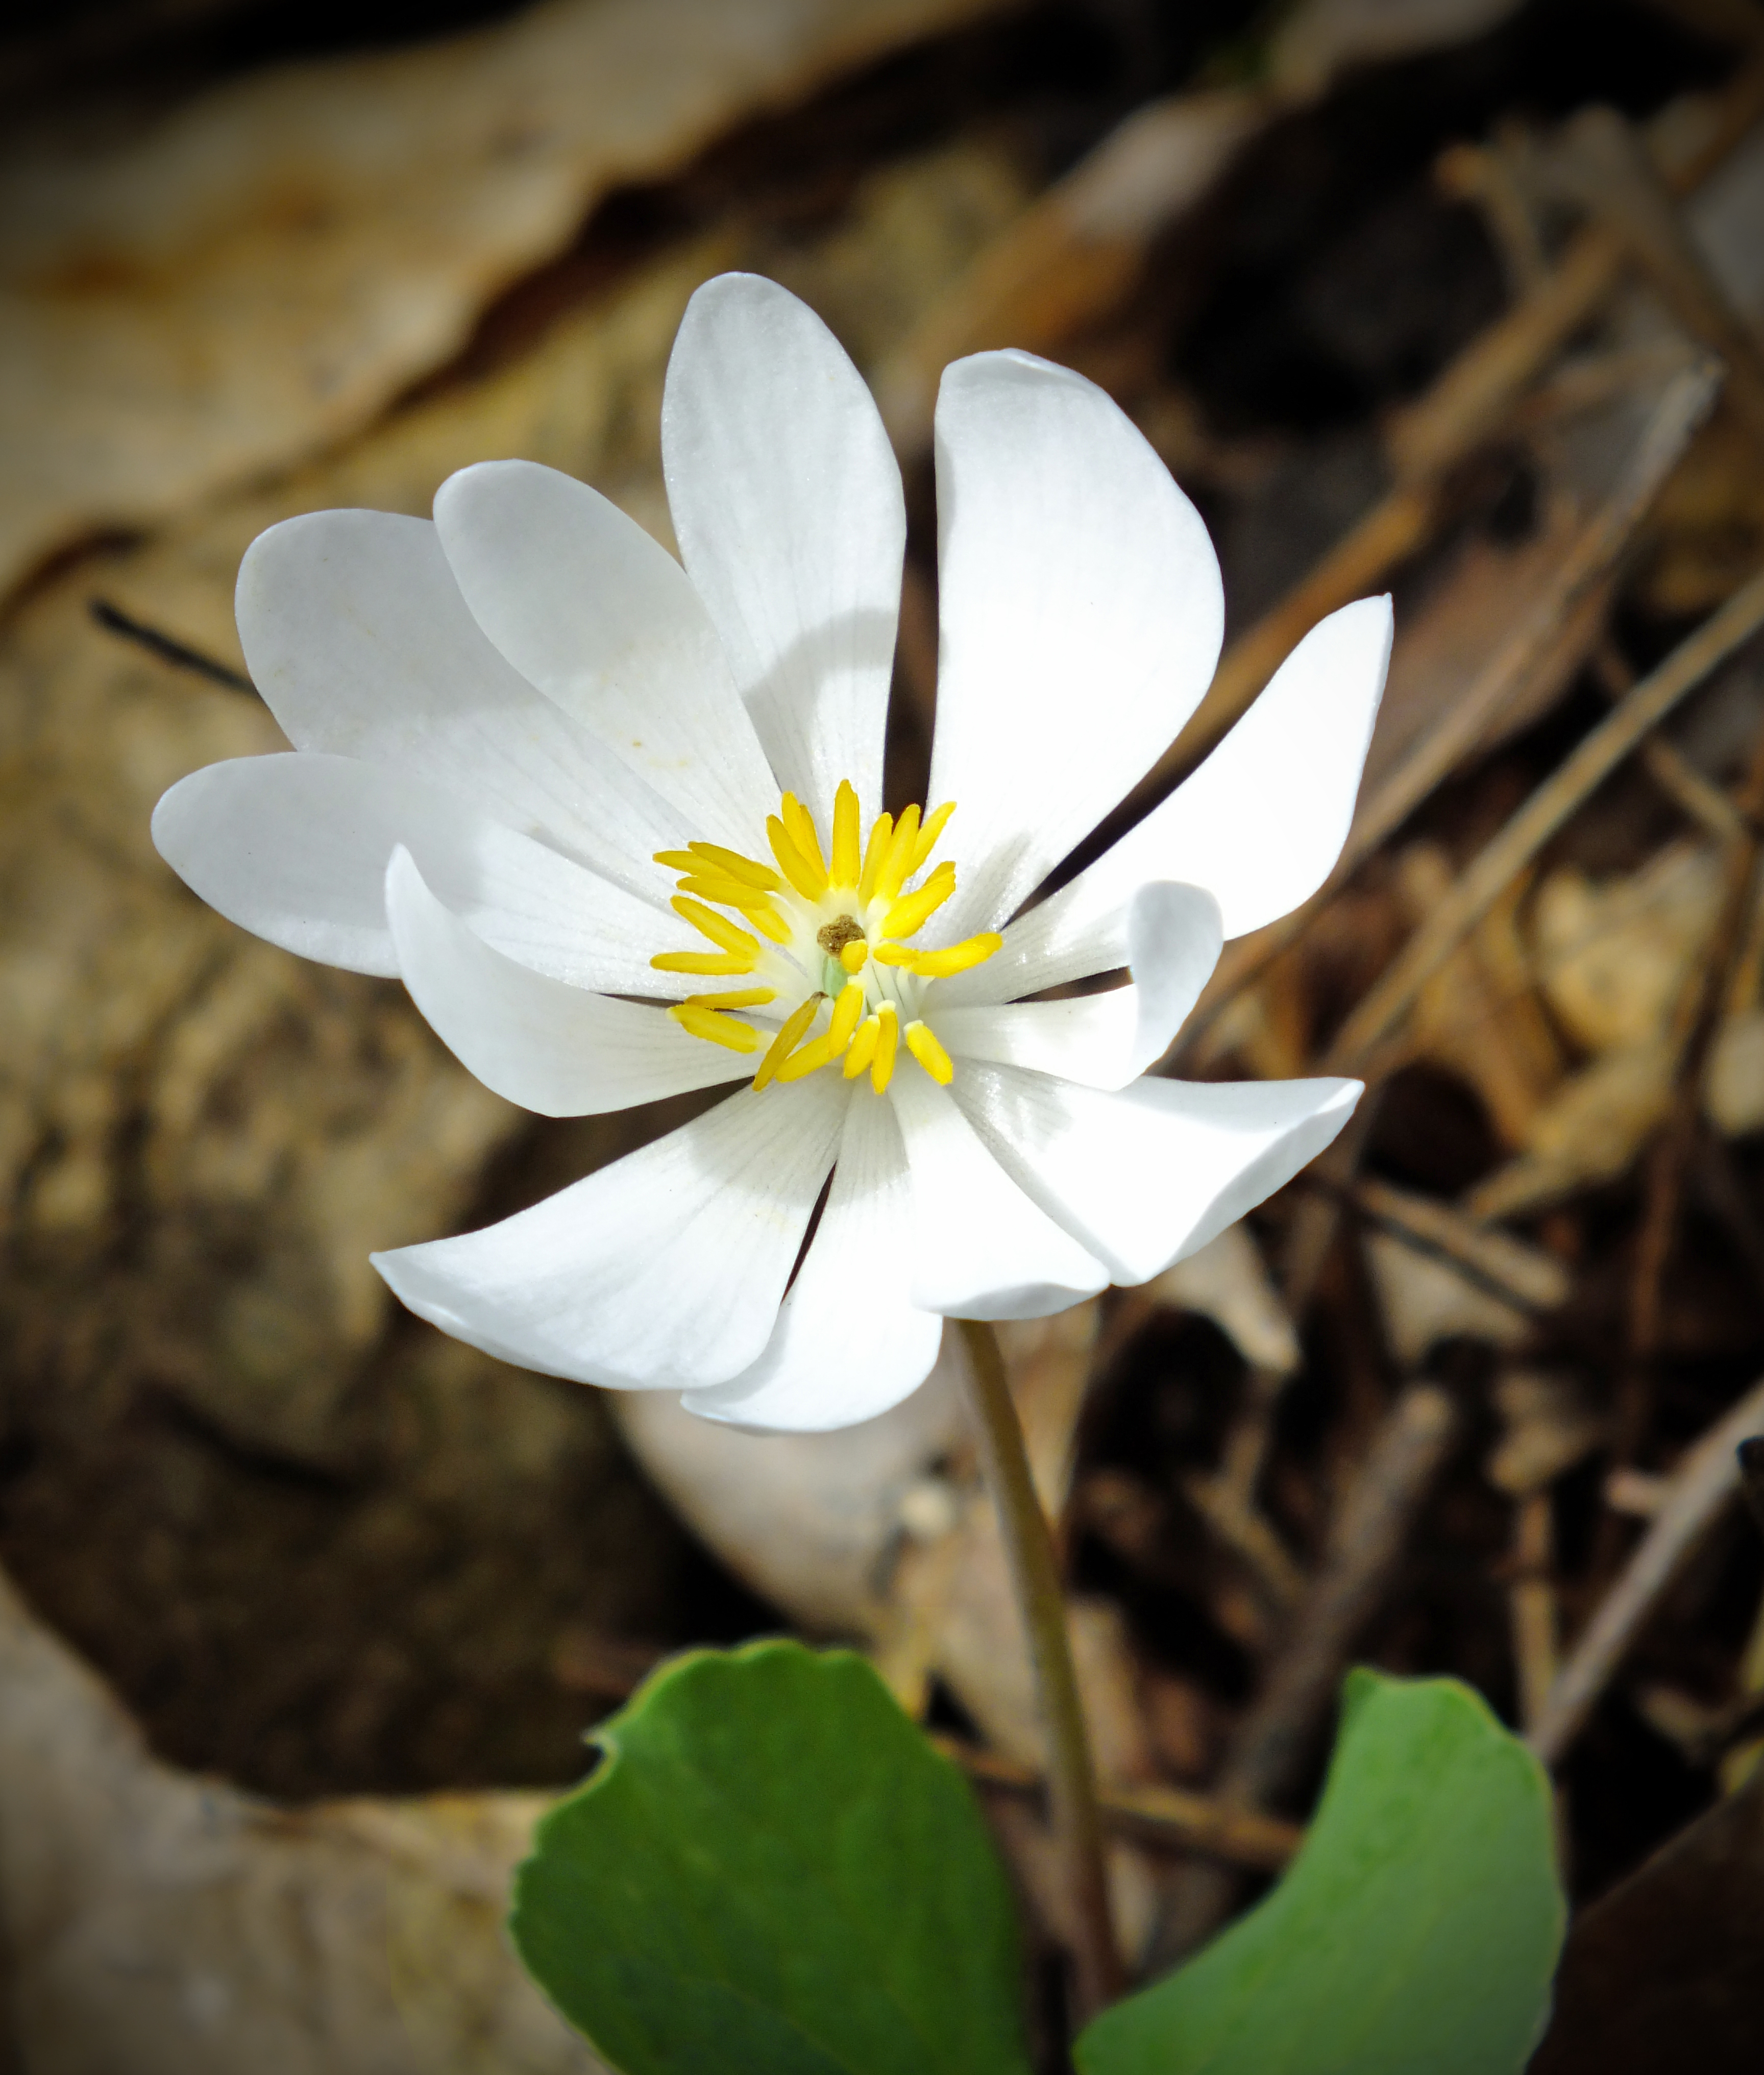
[[794, 1026], [921, 1042], [811, 883], [717, 928], [713, 964], [887, 1038], [727, 1030], [912, 911], [847, 860], [874, 856]]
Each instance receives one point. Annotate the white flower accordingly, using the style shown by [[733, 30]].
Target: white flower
[[517, 728]]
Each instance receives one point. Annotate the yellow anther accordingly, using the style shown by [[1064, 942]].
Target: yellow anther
[[745, 997], [733, 865], [847, 1011], [862, 1049], [711, 964], [766, 919], [887, 1038], [847, 858], [679, 860], [800, 824], [754, 906], [898, 862], [875, 854], [912, 911], [818, 1052], [794, 1025], [719, 1029], [855, 955], [939, 965], [936, 822], [922, 1042], [809, 882], [717, 928]]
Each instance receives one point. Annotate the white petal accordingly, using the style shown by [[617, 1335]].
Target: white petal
[[847, 1346], [661, 1272], [362, 645], [551, 1047], [1260, 824], [1082, 613], [980, 1249], [589, 608], [1146, 1177], [1103, 1040], [786, 501], [295, 848]]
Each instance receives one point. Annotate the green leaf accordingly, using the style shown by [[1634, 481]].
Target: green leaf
[[1414, 1934], [772, 1873]]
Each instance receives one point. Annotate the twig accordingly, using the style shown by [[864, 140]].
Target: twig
[[1694, 795], [1585, 569], [1271, 1745], [1029, 1544], [1501, 860], [1496, 1262], [179, 654], [1531, 1600], [1157, 1815], [1705, 1482]]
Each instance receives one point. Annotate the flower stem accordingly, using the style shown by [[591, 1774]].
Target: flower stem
[[1077, 1821]]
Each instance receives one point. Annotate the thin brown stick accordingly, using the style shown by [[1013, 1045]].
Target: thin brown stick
[[1705, 1482], [1694, 795], [1493, 1259], [1531, 1600], [1507, 854], [1155, 1814], [1029, 1545], [1273, 1740]]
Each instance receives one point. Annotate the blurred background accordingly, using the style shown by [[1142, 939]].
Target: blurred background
[[1460, 298]]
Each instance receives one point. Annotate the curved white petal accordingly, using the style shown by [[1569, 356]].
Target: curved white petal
[[980, 1249], [786, 500], [1081, 618], [848, 1345], [294, 847], [361, 646], [532, 1040], [1103, 1040], [1148, 1176], [586, 605], [661, 1272], [1260, 824]]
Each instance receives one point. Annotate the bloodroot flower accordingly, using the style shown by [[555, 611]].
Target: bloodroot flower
[[616, 822]]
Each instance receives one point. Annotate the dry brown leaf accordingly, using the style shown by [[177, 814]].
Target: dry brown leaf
[[1425, 1300], [160, 1924], [265, 271], [1229, 1282]]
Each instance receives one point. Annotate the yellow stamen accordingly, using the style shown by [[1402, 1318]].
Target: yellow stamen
[[887, 1038], [679, 860], [745, 997], [939, 965], [855, 955], [847, 857], [899, 861], [935, 824], [809, 883], [874, 856], [719, 1029], [755, 907], [863, 1047], [922, 1042], [717, 928], [912, 911], [713, 964], [801, 823], [795, 1024], [733, 865], [846, 1012]]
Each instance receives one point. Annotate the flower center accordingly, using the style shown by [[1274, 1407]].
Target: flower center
[[835, 957]]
